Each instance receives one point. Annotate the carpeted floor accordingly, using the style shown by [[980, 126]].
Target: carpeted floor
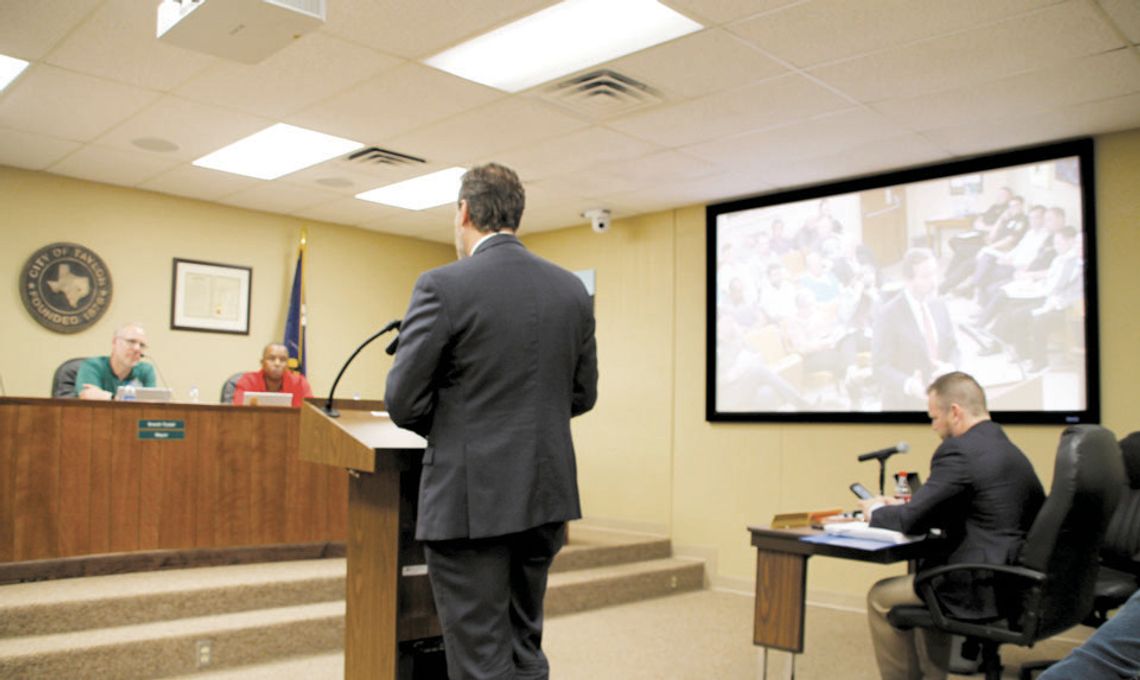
[[705, 635]]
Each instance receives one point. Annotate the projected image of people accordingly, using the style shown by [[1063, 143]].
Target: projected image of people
[[856, 302]]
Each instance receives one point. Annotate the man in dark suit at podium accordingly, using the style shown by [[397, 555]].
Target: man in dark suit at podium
[[983, 494], [496, 355]]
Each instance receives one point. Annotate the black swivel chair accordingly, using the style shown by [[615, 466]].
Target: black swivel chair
[[1119, 575], [229, 387], [63, 381], [1051, 587]]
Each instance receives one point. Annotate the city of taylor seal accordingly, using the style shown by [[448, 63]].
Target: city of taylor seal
[[66, 287]]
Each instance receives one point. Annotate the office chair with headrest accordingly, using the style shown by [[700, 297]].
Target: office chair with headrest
[[63, 380], [229, 387], [1051, 586], [1119, 575]]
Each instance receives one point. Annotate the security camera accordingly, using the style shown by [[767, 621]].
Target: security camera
[[599, 219]]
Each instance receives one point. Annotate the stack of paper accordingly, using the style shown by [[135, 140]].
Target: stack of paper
[[862, 530]]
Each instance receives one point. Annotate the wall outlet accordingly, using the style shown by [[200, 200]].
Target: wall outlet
[[205, 652]]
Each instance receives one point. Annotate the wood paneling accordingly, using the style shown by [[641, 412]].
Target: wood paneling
[[780, 584], [75, 479]]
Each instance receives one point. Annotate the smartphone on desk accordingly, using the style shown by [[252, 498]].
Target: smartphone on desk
[[861, 491]]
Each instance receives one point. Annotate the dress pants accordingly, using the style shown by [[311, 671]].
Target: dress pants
[[489, 594], [918, 654]]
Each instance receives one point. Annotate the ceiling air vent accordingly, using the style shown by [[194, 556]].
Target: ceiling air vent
[[602, 94], [374, 155]]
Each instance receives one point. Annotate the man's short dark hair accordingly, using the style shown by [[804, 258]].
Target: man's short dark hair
[[495, 197], [959, 388]]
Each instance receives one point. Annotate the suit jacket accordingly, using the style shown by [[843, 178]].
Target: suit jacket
[[899, 349], [496, 354], [983, 494]]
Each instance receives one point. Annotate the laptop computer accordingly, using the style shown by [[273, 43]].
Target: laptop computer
[[267, 399], [146, 393]]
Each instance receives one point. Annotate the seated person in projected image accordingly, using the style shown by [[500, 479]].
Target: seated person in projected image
[[274, 376], [914, 340], [994, 267], [744, 380], [778, 240], [1026, 310], [993, 234], [983, 493], [100, 377]]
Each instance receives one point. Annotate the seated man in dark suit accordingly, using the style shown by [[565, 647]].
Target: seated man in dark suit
[[983, 493]]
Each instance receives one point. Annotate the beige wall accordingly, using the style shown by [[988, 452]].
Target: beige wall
[[647, 458], [357, 280], [653, 464]]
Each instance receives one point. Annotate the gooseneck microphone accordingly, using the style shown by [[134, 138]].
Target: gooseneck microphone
[[328, 407], [882, 454]]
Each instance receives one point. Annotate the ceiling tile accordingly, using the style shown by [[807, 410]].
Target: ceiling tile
[[307, 71], [277, 197], [194, 182], [853, 28], [351, 211], [712, 189], [754, 107], [1060, 32], [394, 102], [108, 45], [713, 12], [726, 62], [809, 138], [34, 152], [420, 29], [435, 224], [112, 166], [1090, 118], [1126, 15], [196, 128], [1101, 76], [29, 30], [595, 147], [624, 176], [67, 105], [498, 127], [866, 159]]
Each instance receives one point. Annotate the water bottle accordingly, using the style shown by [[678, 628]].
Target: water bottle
[[128, 393], [902, 487], [193, 394]]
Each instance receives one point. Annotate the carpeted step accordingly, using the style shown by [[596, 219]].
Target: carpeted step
[[153, 624], [166, 648], [585, 589], [66, 605]]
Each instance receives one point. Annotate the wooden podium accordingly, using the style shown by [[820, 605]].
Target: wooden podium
[[388, 595]]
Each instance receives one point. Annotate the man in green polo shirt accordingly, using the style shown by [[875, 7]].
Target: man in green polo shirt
[[100, 377]]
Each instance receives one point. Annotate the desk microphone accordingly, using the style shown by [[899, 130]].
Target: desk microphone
[[328, 407], [883, 454]]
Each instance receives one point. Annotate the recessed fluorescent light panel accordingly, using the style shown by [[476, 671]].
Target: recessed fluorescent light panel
[[10, 68], [562, 39], [419, 193], [275, 151]]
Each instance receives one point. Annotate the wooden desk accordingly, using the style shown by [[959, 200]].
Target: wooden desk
[[781, 579], [76, 478]]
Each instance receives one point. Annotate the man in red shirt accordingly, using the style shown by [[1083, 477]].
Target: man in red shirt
[[274, 376]]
